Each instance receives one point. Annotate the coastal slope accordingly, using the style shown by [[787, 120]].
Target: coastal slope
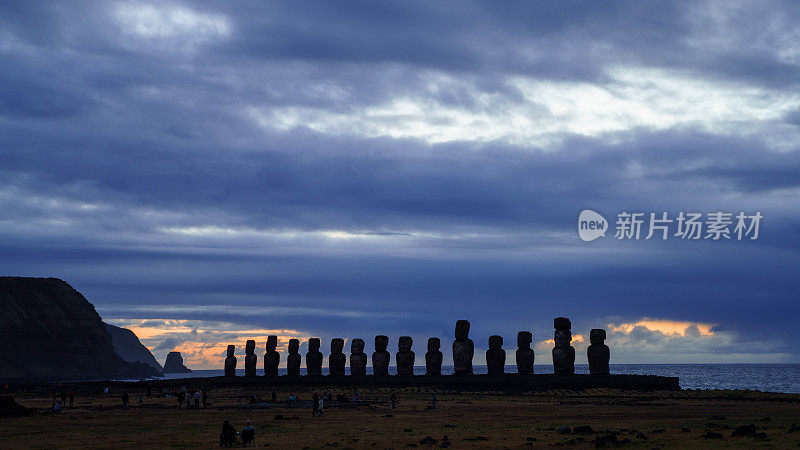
[[128, 346], [49, 331]]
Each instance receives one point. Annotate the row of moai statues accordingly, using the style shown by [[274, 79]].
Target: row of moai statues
[[463, 351]]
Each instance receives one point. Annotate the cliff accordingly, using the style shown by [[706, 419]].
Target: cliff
[[128, 346], [174, 363], [49, 331]]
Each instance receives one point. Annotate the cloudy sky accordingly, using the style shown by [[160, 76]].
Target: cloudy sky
[[205, 173]]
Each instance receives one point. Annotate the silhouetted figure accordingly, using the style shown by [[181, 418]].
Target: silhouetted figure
[[271, 358], [314, 403], [405, 357], [125, 399], [358, 359], [393, 398], [598, 352], [248, 434], [274, 396], [563, 352], [230, 362], [463, 349], [204, 397], [380, 358], [433, 358], [63, 394], [149, 391], [314, 357], [495, 356], [337, 360], [71, 398], [293, 360], [227, 438], [524, 352], [250, 358]]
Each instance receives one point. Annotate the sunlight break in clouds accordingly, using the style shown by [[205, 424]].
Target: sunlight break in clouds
[[169, 21], [203, 344], [632, 98]]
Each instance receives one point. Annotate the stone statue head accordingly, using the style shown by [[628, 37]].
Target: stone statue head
[[337, 345], [462, 330], [313, 345], [231, 349], [294, 346], [250, 347], [381, 342], [434, 344], [404, 343], [562, 323], [495, 342], [272, 343], [562, 338], [357, 346], [597, 336], [524, 339]]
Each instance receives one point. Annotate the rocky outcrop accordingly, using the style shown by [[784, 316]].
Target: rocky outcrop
[[128, 346], [51, 332], [174, 364]]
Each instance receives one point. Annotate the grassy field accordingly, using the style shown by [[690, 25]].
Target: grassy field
[[705, 419]]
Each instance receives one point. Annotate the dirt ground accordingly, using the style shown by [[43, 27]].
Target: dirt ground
[[704, 419]]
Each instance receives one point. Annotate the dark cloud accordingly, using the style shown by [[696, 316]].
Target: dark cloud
[[167, 172]]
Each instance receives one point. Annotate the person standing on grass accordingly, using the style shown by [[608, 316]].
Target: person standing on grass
[[125, 399], [71, 397], [204, 397], [180, 395], [314, 403], [433, 401], [197, 396], [394, 400]]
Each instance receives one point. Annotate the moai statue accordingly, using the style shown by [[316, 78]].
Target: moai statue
[[380, 359], [230, 362], [250, 358], [463, 349], [495, 356], [293, 360], [563, 353], [337, 360], [433, 359], [358, 359], [272, 358], [598, 352], [405, 357], [314, 357], [524, 352]]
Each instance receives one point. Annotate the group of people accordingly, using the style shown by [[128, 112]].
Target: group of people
[[227, 438], [186, 397], [58, 405], [318, 402]]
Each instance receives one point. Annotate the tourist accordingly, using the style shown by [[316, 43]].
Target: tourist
[[71, 397], [394, 400], [180, 395], [228, 435], [197, 396], [433, 401], [274, 396], [314, 403], [125, 399], [205, 399], [56, 407], [320, 412], [248, 434], [149, 391], [63, 396]]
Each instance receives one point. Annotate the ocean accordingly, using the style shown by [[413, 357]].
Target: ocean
[[761, 377]]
